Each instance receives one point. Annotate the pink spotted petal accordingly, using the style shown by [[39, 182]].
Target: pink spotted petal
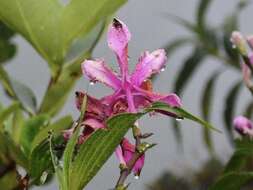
[[98, 71], [149, 64], [243, 126], [118, 38]]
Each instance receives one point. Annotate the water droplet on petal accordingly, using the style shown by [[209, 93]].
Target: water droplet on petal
[[92, 83], [163, 69], [136, 177]]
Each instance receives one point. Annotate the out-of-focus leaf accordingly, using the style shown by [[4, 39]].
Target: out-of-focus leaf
[[57, 127], [40, 162], [18, 91], [4, 114], [249, 110], [185, 23], [7, 48], [9, 180], [31, 128], [25, 95], [51, 26], [229, 107], [232, 181], [58, 92], [188, 68], [17, 125], [86, 43], [243, 152], [202, 12], [230, 25], [175, 44], [209, 39], [14, 151], [4, 79], [177, 132], [206, 103]]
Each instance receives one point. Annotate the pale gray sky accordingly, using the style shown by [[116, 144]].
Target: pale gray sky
[[150, 31]]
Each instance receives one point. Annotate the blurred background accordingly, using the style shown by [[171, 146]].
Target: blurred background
[[152, 28]]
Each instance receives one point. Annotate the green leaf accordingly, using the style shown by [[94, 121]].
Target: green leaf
[[31, 128], [7, 48], [97, 149], [40, 162], [25, 95], [9, 180], [18, 91], [185, 23], [180, 113], [86, 43], [229, 107], [202, 12], [4, 78], [232, 181], [51, 27], [242, 155], [206, 103], [4, 114], [14, 150], [57, 127], [190, 64]]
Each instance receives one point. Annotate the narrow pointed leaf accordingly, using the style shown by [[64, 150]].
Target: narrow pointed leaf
[[188, 68], [206, 103], [229, 107], [202, 12]]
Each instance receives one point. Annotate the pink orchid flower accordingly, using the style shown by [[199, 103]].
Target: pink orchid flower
[[243, 126], [130, 90], [125, 152]]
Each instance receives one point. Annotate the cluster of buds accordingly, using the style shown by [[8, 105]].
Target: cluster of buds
[[243, 126], [240, 43], [131, 92]]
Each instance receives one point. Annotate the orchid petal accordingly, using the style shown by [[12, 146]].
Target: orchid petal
[[128, 152], [149, 64], [98, 71], [171, 99], [118, 38]]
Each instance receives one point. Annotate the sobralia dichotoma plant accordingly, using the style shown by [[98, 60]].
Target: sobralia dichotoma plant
[[209, 42], [103, 122], [32, 139]]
